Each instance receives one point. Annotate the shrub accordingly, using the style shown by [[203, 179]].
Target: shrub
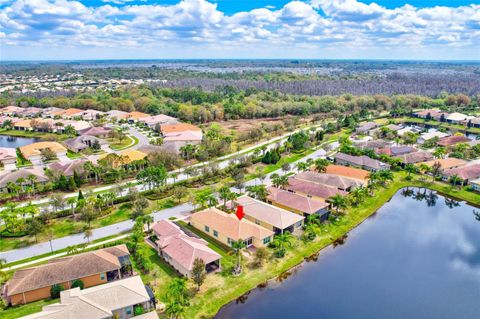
[[138, 310], [56, 290], [77, 283]]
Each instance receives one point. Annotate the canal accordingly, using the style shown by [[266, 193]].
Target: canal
[[418, 257], [14, 142]]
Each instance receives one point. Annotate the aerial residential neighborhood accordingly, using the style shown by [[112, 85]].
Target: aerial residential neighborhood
[[197, 159]]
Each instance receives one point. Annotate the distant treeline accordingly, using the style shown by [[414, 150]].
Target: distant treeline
[[229, 102]]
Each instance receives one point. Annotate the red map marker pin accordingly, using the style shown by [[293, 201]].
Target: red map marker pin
[[239, 212]]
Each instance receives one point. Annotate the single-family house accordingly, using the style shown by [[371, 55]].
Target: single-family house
[[92, 268], [372, 144], [474, 122], [68, 113], [91, 115], [31, 112], [415, 157], [97, 131], [77, 125], [431, 134], [50, 111], [33, 152], [121, 299], [135, 116], [346, 171], [228, 228], [82, 142], [363, 162], [447, 163], [8, 158], [271, 217], [432, 114], [408, 129], [68, 168], [453, 140], [366, 128], [394, 127], [339, 182], [395, 150], [458, 118], [311, 189], [296, 203], [11, 110], [466, 173], [29, 176], [116, 115], [181, 250], [155, 120], [475, 185]]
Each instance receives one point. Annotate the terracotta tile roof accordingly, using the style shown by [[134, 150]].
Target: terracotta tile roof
[[133, 155], [66, 269], [395, 150], [183, 136], [452, 140], [229, 225], [35, 148], [363, 161], [182, 248], [180, 127], [11, 109], [136, 115], [295, 201], [446, 163], [313, 189], [158, 119], [68, 112], [340, 182], [465, 172], [432, 113], [69, 168], [346, 171], [269, 214]]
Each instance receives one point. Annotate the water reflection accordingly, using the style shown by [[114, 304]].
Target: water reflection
[[414, 260]]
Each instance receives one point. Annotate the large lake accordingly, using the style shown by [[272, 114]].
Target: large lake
[[14, 142], [418, 257]]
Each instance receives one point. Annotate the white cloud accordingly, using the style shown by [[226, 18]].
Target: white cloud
[[321, 25]]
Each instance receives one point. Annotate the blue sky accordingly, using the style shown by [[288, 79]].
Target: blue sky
[[350, 29]]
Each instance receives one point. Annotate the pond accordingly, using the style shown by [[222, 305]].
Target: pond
[[14, 142], [418, 257]]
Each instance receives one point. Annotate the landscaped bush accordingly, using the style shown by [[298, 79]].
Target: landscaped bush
[[56, 290], [77, 283]]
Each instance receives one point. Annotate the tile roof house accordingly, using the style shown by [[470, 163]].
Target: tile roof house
[[227, 228], [24, 174], [32, 152], [68, 168], [311, 189], [453, 140], [8, 158], [92, 268], [457, 118], [447, 163], [340, 182], [136, 116], [395, 150], [117, 115], [415, 157], [79, 143], [180, 250], [435, 114], [117, 299], [11, 110], [50, 111], [365, 128], [466, 173], [31, 111], [347, 171], [160, 119], [68, 113], [271, 217], [179, 127], [91, 115], [96, 131], [297, 203], [475, 185], [372, 144], [394, 127], [363, 162], [429, 135], [474, 122]]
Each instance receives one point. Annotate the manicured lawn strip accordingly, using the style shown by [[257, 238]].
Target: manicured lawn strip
[[127, 143], [438, 124], [207, 304], [24, 310], [33, 134], [73, 155]]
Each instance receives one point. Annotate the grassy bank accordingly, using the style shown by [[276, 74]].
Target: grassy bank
[[31, 134], [220, 290]]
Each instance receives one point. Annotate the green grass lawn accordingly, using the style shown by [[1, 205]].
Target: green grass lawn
[[438, 124], [73, 155], [20, 311], [126, 143], [41, 135]]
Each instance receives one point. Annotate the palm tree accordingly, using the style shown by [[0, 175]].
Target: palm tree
[[237, 247], [224, 193], [302, 166], [339, 202], [175, 310], [439, 152], [313, 219], [259, 192], [455, 179], [411, 169], [424, 168], [33, 181], [280, 181], [148, 219], [281, 241], [357, 195]]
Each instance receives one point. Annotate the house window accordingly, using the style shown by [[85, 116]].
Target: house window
[[102, 276], [129, 311], [266, 240], [229, 241], [207, 229], [299, 224], [257, 222], [215, 233]]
